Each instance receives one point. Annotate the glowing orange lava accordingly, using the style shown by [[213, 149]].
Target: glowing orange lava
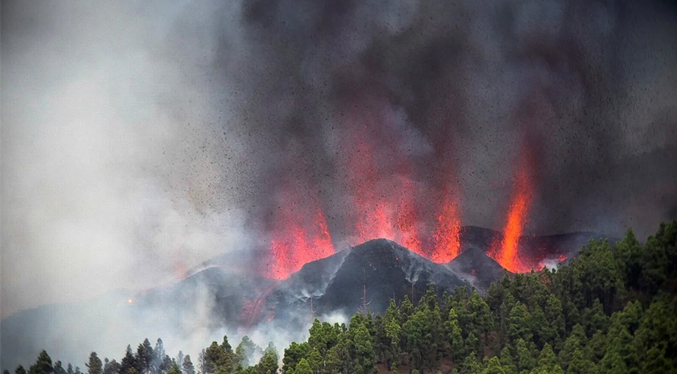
[[446, 239], [407, 219], [294, 245], [299, 233], [507, 252], [370, 209], [383, 200]]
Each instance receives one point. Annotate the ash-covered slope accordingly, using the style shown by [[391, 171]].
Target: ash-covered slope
[[478, 269], [368, 275], [213, 291]]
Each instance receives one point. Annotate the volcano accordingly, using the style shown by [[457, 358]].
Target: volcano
[[222, 293], [367, 276], [478, 269]]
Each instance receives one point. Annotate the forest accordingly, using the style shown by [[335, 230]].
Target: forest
[[611, 309]]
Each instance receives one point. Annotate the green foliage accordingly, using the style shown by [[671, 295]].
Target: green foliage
[[519, 325], [94, 366], [268, 362], [610, 310], [293, 355], [43, 365], [303, 367]]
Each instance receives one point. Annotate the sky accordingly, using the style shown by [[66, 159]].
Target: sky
[[141, 138]]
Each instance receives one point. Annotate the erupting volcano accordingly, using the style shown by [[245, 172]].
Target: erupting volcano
[[383, 200]]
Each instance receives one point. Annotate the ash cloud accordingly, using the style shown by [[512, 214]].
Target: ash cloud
[[116, 171], [140, 139], [458, 90]]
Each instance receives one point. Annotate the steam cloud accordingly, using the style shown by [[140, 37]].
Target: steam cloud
[[140, 139]]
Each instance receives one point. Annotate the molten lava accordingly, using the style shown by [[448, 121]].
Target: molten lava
[[446, 239], [506, 252], [294, 245], [378, 195], [380, 210], [299, 232]]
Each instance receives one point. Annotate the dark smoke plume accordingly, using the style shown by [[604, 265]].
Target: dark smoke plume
[[140, 139], [456, 90]]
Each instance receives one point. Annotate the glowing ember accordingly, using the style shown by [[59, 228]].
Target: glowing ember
[[130, 301]]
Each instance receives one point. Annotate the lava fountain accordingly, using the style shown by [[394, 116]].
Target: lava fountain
[[506, 251], [446, 239], [299, 233]]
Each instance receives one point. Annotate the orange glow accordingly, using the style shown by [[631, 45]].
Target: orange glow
[[130, 301], [371, 209], [446, 239], [506, 253], [407, 219], [295, 246]]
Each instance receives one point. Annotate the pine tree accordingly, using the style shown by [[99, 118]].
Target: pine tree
[[111, 367], [364, 352], [547, 359], [405, 311], [58, 368], [94, 366], [507, 362], [393, 335], [470, 365], [158, 356], [187, 365], [43, 364], [303, 367], [575, 341], [524, 359], [519, 326], [454, 337], [578, 364], [128, 365], [144, 356], [217, 359], [244, 352], [268, 361], [20, 370], [293, 355], [494, 367]]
